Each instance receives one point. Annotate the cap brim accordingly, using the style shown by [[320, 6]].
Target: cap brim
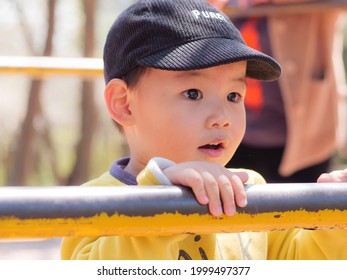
[[211, 52]]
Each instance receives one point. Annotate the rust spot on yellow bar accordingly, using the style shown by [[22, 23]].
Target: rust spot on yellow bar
[[167, 224]]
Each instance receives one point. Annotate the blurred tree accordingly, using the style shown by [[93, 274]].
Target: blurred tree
[[22, 160], [27, 150], [89, 118]]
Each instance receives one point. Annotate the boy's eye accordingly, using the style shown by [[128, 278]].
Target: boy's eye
[[233, 97], [193, 94]]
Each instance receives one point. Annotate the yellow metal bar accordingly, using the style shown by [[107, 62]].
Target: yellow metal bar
[[37, 212], [43, 66]]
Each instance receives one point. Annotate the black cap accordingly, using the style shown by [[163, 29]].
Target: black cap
[[179, 35]]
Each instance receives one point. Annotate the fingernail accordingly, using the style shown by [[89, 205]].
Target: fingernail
[[230, 211], [218, 211], [204, 199], [243, 202]]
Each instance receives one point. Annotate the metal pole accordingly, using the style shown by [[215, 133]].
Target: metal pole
[[43, 66], [37, 212]]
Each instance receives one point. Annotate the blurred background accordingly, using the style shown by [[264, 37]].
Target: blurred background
[[55, 130]]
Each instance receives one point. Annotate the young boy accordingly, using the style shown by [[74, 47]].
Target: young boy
[[175, 72]]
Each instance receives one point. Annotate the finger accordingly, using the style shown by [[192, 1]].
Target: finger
[[194, 180], [227, 195], [212, 190], [239, 191], [339, 175], [237, 180], [324, 178], [243, 175], [334, 176]]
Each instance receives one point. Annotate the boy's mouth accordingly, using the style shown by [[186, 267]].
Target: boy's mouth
[[212, 146], [213, 150]]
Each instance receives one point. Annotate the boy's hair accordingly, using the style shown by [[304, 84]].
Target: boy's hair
[[179, 35], [131, 78]]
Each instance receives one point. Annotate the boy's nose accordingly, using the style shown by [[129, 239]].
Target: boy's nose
[[220, 123], [218, 119]]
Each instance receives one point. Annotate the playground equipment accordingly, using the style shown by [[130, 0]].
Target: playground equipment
[[41, 66], [37, 212]]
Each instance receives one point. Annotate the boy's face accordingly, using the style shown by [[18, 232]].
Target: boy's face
[[187, 115]]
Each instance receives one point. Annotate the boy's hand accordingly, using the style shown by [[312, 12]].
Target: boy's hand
[[334, 176], [212, 184]]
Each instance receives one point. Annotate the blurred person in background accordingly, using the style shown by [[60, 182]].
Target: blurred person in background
[[292, 123]]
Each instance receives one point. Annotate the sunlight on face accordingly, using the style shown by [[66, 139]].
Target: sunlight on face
[[188, 115]]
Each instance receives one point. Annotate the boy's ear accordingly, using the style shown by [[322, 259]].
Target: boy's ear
[[116, 98]]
